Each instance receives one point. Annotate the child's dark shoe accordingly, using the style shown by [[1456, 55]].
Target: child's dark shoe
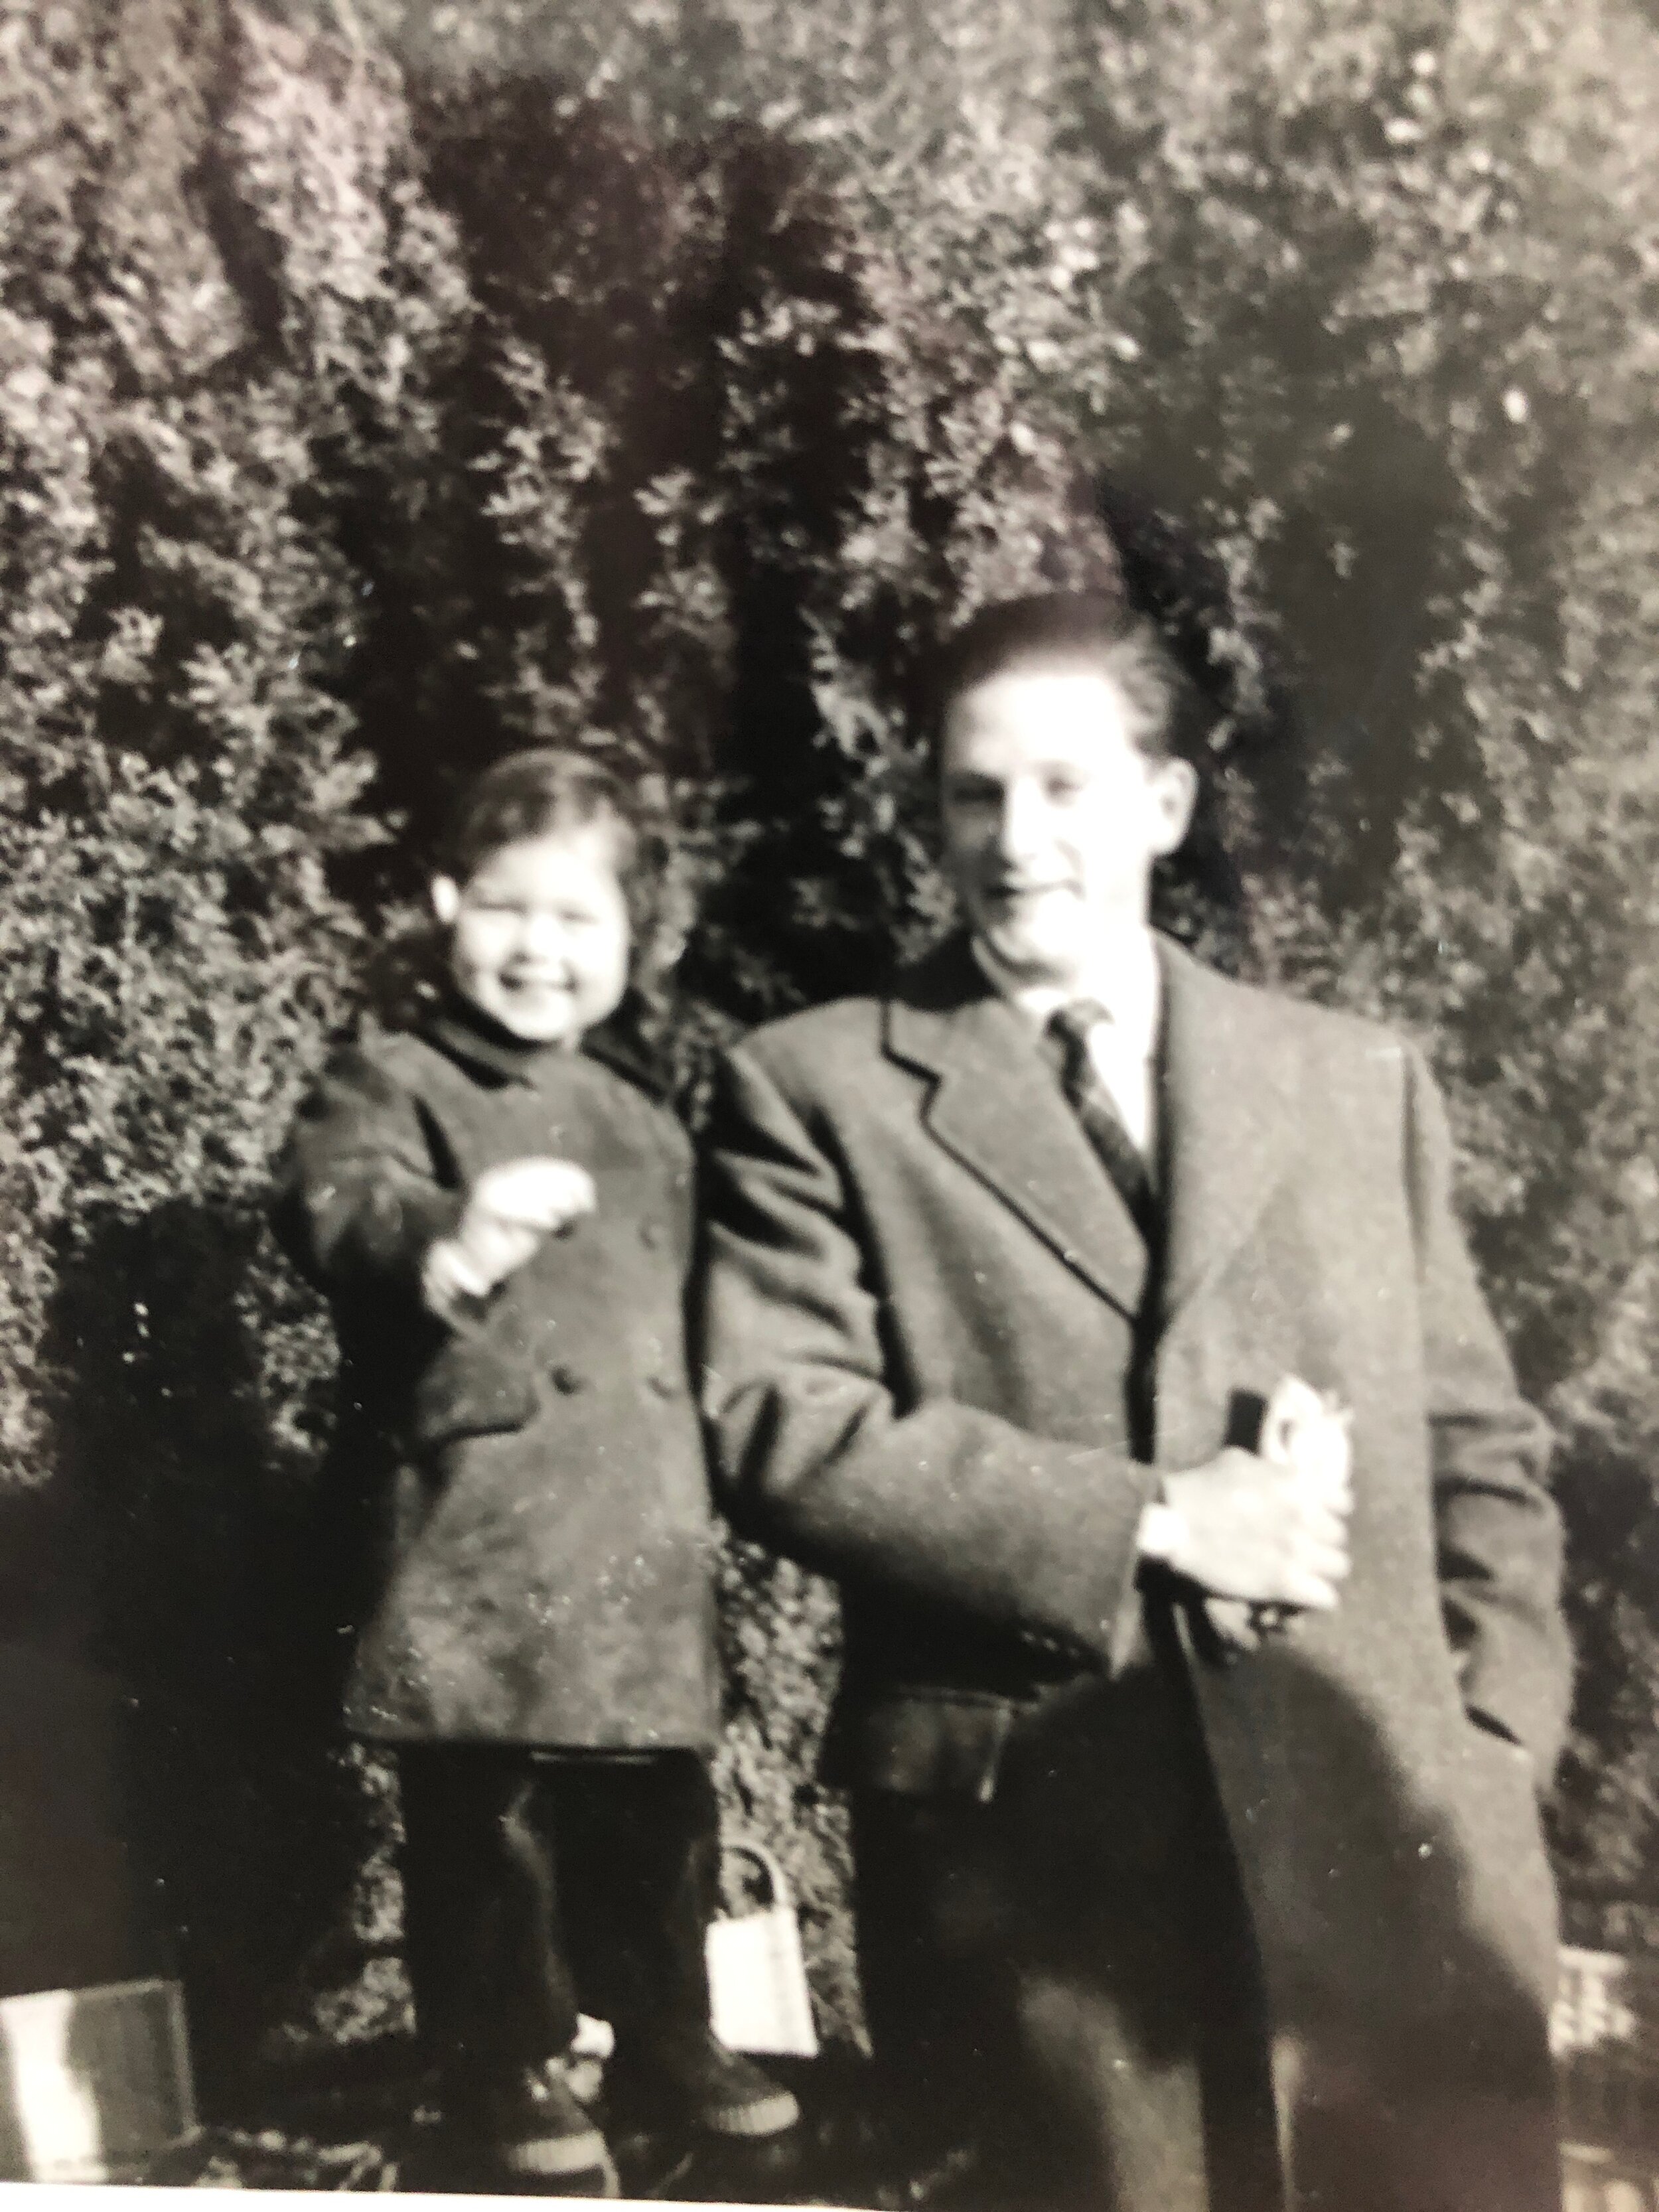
[[695, 2080], [529, 2134]]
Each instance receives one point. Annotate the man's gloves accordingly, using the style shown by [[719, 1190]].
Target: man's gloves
[[508, 1212], [1263, 1534]]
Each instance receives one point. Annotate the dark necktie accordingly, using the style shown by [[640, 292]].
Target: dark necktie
[[1092, 1101]]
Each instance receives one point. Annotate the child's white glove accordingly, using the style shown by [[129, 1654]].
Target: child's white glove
[[508, 1211], [1310, 1433]]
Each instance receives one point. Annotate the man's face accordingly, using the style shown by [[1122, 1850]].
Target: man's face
[[538, 933], [1052, 816]]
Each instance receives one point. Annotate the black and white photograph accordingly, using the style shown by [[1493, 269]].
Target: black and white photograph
[[830, 1102]]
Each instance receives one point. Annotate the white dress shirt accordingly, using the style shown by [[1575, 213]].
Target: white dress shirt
[[1125, 980]]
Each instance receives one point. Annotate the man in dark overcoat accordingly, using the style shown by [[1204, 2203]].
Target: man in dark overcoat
[[1197, 1859]]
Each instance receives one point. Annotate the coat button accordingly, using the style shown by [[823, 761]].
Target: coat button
[[566, 1379], [650, 1234], [664, 1385]]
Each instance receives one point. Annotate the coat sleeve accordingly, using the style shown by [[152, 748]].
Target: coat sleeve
[[358, 1203], [1497, 1531], [942, 1501]]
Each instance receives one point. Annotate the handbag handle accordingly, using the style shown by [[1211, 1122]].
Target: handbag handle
[[768, 1861]]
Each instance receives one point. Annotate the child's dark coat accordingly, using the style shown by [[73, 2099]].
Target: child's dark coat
[[519, 1509]]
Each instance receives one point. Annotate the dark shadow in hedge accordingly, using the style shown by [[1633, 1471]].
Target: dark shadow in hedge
[[1605, 1814], [191, 1530]]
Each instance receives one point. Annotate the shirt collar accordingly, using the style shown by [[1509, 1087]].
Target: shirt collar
[[1123, 977]]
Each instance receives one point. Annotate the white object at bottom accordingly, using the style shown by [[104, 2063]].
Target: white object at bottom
[[759, 1998], [92, 2081]]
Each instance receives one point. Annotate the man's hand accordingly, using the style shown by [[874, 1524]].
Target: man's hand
[[1266, 1528], [509, 1210]]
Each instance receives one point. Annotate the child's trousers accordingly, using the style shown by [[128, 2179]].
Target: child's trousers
[[533, 1879]]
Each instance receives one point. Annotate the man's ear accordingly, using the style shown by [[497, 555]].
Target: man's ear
[[1175, 789], [446, 899]]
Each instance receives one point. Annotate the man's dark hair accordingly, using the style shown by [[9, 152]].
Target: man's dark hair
[[533, 794], [1089, 630]]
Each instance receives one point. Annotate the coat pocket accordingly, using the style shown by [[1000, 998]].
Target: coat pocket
[[469, 1390], [921, 1743]]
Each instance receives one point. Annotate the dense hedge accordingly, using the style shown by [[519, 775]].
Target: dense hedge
[[383, 387]]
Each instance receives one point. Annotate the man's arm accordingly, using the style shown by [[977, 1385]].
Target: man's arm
[[1499, 1532], [945, 1502]]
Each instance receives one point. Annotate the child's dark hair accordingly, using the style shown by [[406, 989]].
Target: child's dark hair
[[1083, 630], [533, 794]]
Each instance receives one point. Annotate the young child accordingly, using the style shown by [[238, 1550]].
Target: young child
[[499, 1207]]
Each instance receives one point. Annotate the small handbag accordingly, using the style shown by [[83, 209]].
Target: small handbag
[[759, 2000]]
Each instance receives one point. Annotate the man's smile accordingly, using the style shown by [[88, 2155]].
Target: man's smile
[[1009, 892]]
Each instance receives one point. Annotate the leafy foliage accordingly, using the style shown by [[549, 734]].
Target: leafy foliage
[[384, 387]]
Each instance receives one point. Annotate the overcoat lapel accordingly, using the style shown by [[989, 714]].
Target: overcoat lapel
[[997, 1108], [1230, 1073]]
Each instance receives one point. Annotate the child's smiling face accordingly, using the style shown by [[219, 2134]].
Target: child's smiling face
[[538, 933]]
